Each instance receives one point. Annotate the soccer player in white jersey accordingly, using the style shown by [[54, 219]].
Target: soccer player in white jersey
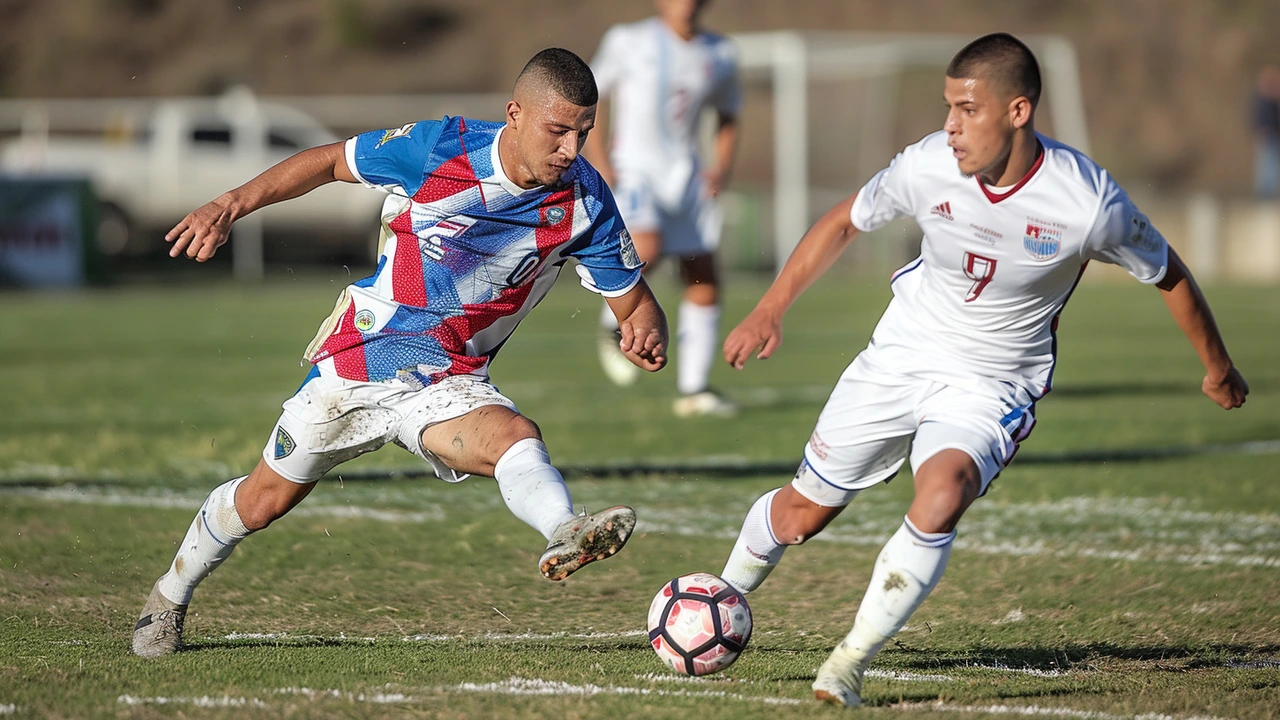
[[967, 345], [659, 75], [480, 218]]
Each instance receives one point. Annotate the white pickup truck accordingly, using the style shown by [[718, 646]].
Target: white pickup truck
[[152, 162]]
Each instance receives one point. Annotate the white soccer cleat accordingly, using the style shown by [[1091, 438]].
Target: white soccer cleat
[[839, 680], [585, 539], [159, 629], [707, 403], [616, 366]]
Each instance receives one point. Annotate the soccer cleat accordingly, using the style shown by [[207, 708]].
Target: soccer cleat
[[616, 366], [707, 403], [585, 539], [159, 630], [839, 680]]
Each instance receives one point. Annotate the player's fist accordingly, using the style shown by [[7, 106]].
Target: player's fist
[[759, 334], [201, 232], [645, 347], [1229, 391]]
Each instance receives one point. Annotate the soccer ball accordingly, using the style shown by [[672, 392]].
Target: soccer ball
[[699, 624]]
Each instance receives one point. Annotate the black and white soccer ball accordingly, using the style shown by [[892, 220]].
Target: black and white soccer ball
[[699, 624]]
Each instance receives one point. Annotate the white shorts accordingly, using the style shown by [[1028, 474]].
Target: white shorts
[[331, 420], [874, 421], [689, 229]]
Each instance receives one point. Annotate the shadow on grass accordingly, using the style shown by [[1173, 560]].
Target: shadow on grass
[[1042, 660]]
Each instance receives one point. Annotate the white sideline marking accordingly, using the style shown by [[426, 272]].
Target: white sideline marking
[[534, 686], [438, 638], [1172, 533], [1040, 711], [165, 500], [10, 709], [202, 701], [908, 676]]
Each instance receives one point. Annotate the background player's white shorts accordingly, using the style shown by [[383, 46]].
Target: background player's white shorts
[[331, 420], [875, 420], [691, 228]]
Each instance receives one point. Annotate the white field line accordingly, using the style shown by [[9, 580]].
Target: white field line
[[9, 709], [534, 686], [1040, 711], [1177, 535], [164, 500], [439, 638]]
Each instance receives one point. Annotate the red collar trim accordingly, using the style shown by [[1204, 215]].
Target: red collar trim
[[994, 198]]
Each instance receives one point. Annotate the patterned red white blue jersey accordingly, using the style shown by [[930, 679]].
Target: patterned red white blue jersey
[[466, 253]]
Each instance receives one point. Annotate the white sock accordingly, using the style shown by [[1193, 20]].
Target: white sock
[[214, 533], [757, 551], [909, 567], [698, 336], [533, 490], [608, 321]]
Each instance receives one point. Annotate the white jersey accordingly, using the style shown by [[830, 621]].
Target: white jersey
[[658, 84], [996, 268]]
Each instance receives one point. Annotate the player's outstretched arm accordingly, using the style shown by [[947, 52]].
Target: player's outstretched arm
[[643, 325], [1223, 383], [205, 229], [760, 333]]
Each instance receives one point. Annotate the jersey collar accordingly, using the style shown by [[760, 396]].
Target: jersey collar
[[994, 198]]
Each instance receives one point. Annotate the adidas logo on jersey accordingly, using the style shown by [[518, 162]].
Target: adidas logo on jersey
[[943, 210]]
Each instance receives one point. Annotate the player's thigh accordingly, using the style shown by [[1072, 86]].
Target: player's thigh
[[326, 423], [987, 424], [862, 436], [473, 443]]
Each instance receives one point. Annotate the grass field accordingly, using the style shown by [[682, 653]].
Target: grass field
[[1130, 584]]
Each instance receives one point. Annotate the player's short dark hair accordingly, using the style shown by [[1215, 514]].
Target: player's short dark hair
[[1003, 59], [564, 72]]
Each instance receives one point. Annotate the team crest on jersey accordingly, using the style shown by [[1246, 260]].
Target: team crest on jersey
[[554, 215], [284, 444], [393, 133], [365, 320], [1042, 242], [630, 258]]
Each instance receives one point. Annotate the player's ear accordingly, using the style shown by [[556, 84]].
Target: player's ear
[[1020, 111], [513, 114]]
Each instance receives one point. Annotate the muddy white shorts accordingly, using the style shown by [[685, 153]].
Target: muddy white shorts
[[875, 420], [690, 227], [331, 420]]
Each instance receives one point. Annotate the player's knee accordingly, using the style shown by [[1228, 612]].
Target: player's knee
[[942, 498], [518, 428]]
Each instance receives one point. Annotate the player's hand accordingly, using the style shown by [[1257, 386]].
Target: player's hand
[[759, 334], [645, 347], [201, 232], [1229, 391]]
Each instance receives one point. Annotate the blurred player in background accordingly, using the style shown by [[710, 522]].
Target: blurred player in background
[[480, 218], [968, 344], [658, 76]]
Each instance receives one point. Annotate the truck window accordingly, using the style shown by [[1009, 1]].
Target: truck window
[[211, 134]]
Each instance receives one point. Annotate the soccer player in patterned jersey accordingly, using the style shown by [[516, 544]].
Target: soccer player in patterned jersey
[[967, 345], [480, 218], [658, 75]]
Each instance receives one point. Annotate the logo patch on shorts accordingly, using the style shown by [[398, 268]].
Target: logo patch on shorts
[[365, 320], [630, 258], [284, 444]]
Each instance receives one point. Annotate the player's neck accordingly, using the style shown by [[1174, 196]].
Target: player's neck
[[515, 170], [1022, 156], [684, 31]]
